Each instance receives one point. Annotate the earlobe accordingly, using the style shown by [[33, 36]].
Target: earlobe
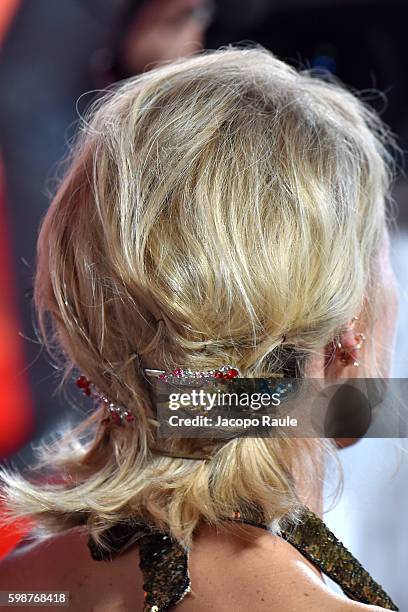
[[344, 350], [348, 345]]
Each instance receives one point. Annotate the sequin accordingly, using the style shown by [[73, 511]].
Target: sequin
[[318, 544], [164, 562]]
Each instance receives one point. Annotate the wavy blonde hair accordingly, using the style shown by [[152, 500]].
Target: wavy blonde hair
[[221, 209]]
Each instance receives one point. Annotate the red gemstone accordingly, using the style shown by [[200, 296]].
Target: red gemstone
[[116, 417], [130, 417], [177, 372], [218, 374], [232, 373], [82, 382]]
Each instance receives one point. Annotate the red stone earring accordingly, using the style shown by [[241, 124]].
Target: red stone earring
[[349, 344]]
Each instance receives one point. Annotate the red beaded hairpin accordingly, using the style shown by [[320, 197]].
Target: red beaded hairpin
[[120, 415]]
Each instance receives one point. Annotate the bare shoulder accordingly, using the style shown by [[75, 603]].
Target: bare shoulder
[[64, 563], [241, 568], [49, 564]]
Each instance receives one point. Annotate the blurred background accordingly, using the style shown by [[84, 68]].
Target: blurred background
[[55, 58]]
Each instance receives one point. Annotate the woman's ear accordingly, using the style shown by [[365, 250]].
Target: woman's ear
[[343, 358], [343, 355]]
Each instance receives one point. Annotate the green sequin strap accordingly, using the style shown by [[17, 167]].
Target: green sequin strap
[[314, 540], [164, 562], [318, 544]]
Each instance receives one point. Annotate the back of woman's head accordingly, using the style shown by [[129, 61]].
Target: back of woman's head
[[222, 209]]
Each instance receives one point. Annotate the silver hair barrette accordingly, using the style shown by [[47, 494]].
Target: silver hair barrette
[[226, 372]]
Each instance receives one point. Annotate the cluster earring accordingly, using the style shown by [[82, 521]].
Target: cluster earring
[[349, 344]]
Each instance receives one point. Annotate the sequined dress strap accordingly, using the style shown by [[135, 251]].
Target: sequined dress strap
[[314, 540], [164, 563]]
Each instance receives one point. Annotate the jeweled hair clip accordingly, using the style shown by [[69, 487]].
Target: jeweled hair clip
[[117, 414], [121, 415], [226, 372]]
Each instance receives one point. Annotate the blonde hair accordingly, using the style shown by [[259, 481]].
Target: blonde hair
[[221, 209]]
